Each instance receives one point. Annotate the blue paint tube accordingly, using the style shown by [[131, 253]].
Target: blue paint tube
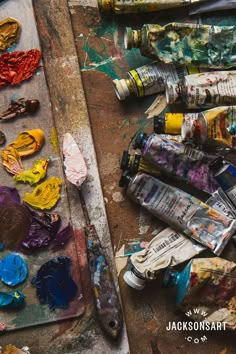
[[206, 292], [225, 175], [181, 211]]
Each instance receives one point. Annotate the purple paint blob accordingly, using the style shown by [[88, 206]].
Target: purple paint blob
[[62, 237], [8, 194]]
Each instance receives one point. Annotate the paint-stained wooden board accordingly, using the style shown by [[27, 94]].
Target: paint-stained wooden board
[[33, 312], [102, 57]]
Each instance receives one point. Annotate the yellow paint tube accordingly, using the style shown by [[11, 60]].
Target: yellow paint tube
[[135, 6], [215, 126]]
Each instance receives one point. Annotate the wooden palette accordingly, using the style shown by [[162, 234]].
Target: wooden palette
[[33, 312]]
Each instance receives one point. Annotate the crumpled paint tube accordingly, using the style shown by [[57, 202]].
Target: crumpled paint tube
[[204, 90], [210, 285], [137, 6], [186, 44], [149, 79], [181, 211], [9, 32], [213, 127], [210, 6], [18, 66], [45, 195], [177, 160], [167, 248]]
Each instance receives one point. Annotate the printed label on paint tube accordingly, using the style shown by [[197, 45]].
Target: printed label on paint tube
[[210, 89], [218, 202], [150, 79], [167, 248], [182, 211]]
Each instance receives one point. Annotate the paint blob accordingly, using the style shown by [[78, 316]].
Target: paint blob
[[13, 269], [35, 174], [9, 32], [12, 300], [28, 142], [45, 195], [54, 283]]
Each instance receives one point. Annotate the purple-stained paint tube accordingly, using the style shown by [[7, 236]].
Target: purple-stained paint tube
[[181, 211], [177, 160]]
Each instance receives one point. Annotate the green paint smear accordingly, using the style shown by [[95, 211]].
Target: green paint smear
[[34, 314], [106, 27]]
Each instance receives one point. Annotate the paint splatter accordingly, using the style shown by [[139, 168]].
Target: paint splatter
[[54, 140]]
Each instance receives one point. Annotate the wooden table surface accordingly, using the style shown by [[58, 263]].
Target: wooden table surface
[[74, 34]]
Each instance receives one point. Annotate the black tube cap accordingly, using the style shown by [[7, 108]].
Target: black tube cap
[[125, 160], [140, 140], [159, 125], [216, 164], [125, 179]]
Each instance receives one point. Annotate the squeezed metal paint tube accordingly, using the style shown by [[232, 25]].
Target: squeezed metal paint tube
[[186, 44], [177, 160], [181, 211], [216, 126], [225, 175], [208, 285], [204, 90], [135, 6], [169, 248], [149, 79]]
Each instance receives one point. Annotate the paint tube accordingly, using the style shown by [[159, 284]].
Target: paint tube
[[180, 210], [206, 291], [137, 6], [215, 5], [204, 90], [168, 248], [175, 159], [216, 126], [225, 175], [171, 123], [221, 202], [186, 44], [149, 79]]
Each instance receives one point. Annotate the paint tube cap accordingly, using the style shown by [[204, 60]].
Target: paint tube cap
[[125, 179], [125, 160], [134, 281], [121, 89], [172, 92], [132, 38], [140, 140], [159, 125], [216, 165], [104, 5]]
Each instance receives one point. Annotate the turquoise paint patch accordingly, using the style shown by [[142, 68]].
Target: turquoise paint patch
[[219, 20], [106, 27]]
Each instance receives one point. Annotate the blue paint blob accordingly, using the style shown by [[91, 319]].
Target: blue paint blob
[[54, 283], [13, 300], [13, 269]]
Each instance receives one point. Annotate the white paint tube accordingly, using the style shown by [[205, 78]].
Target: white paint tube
[[181, 211], [209, 6], [168, 248]]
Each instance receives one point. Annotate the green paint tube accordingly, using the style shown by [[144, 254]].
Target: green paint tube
[[135, 6], [186, 44], [150, 78]]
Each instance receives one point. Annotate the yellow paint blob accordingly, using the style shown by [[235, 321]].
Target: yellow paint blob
[[35, 174], [45, 195], [9, 32], [11, 160], [28, 142]]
